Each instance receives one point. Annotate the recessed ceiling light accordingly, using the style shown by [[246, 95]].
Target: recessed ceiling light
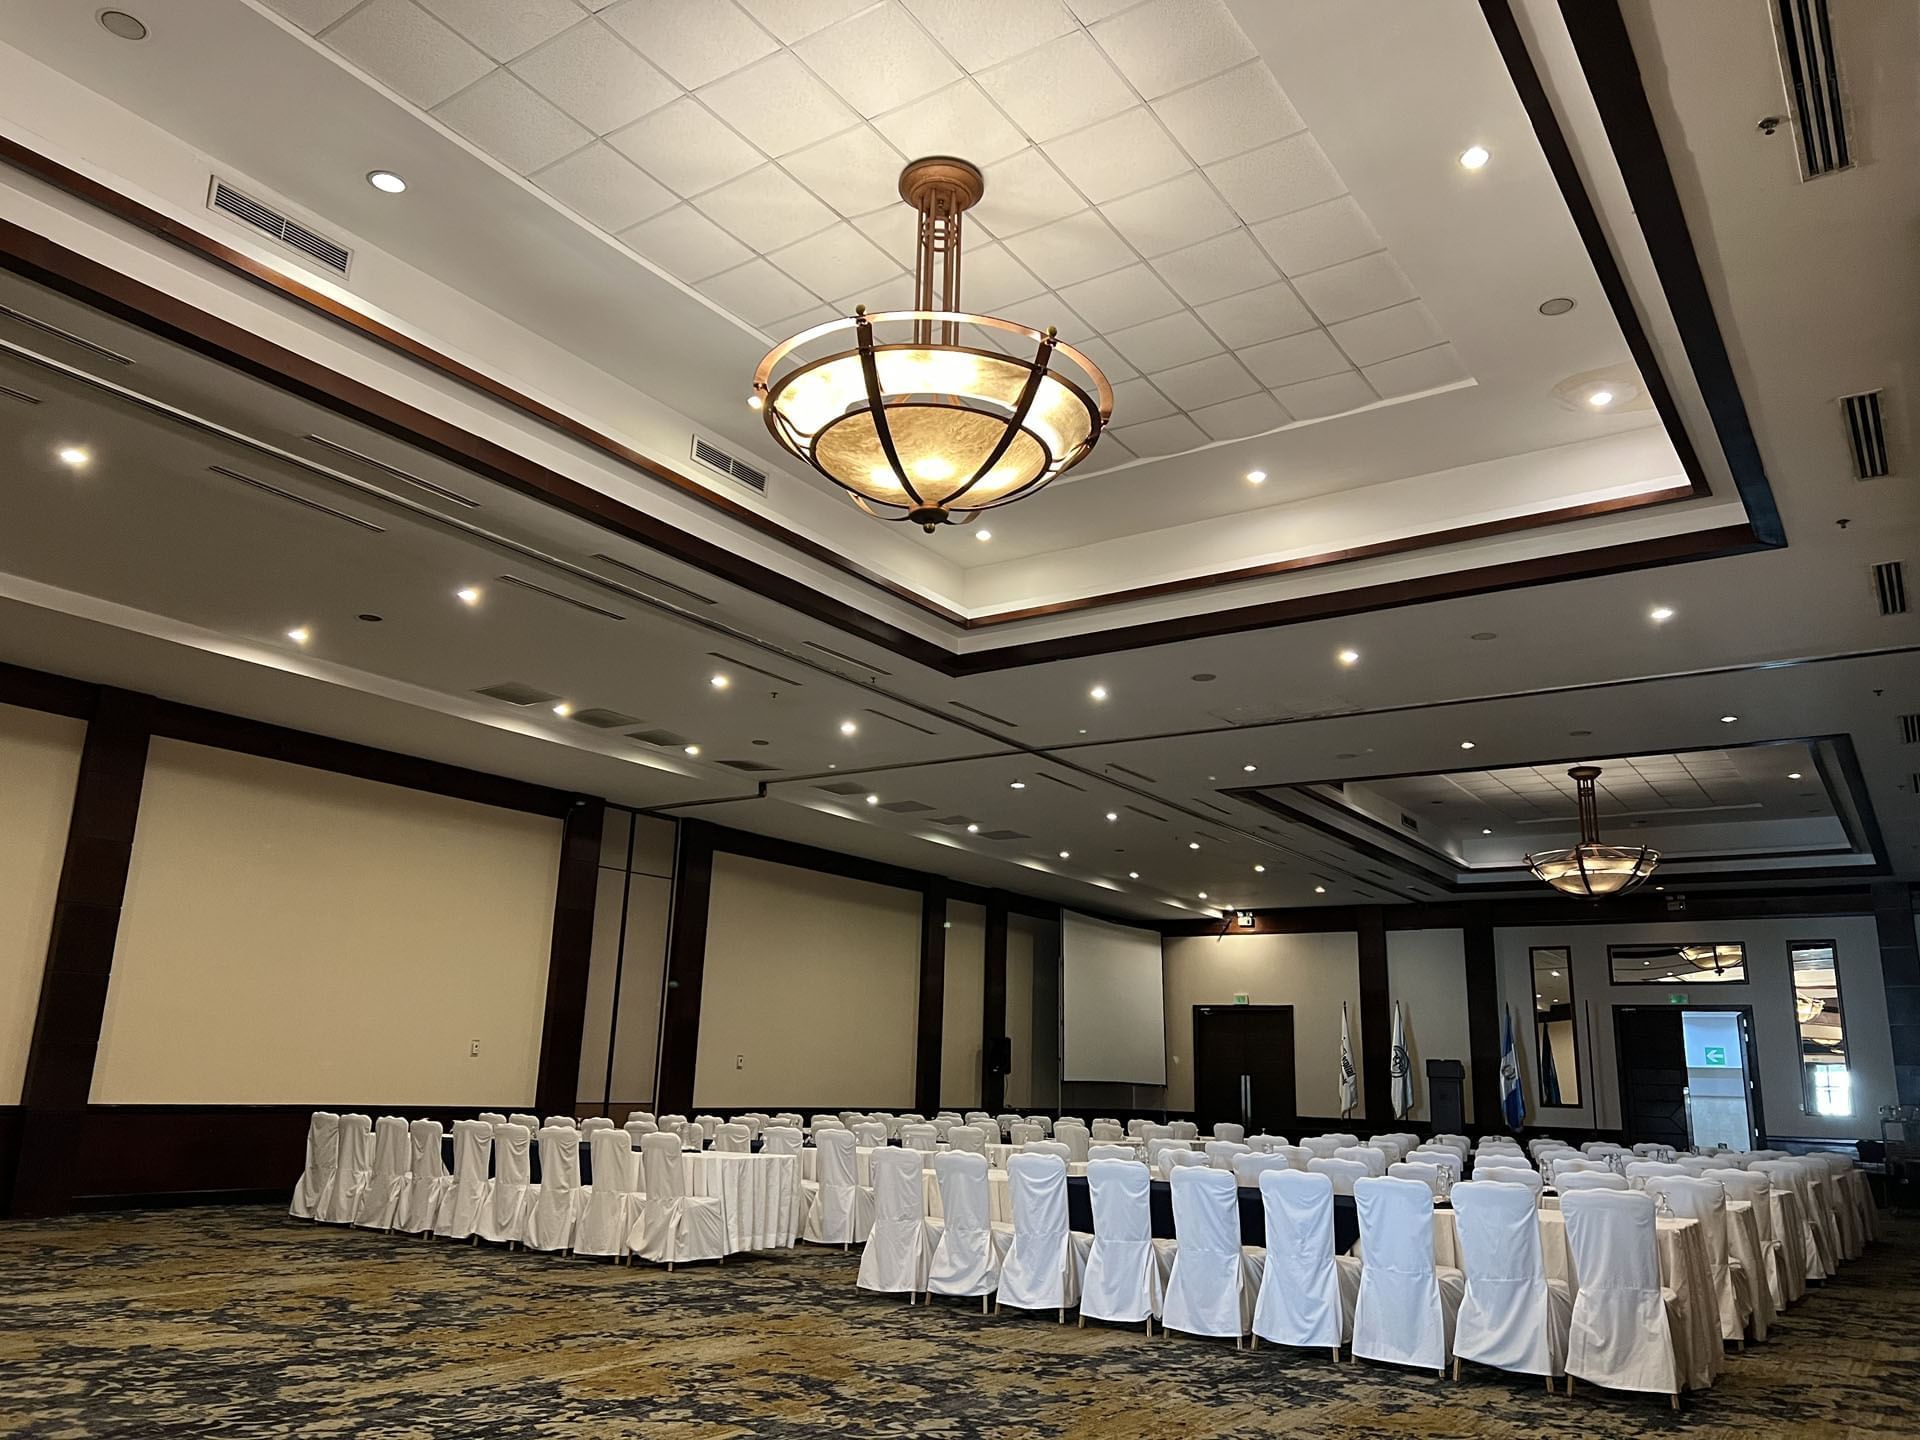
[[1728, 719], [693, 749], [1348, 657], [849, 727], [563, 709], [1256, 477], [386, 182], [1466, 745], [1319, 889], [1113, 814], [1486, 832], [74, 457], [1064, 855], [873, 799], [1018, 785], [1259, 869], [719, 682], [1098, 692], [983, 534], [973, 829], [1660, 614], [1193, 845], [1133, 874], [122, 26], [1600, 399], [1473, 157], [1203, 894], [1248, 768], [1793, 775], [468, 594], [1558, 305], [300, 634]]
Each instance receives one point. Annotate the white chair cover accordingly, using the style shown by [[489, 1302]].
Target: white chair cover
[[559, 1122], [1567, 1166], [1138, 1128], [1343, 1173], [1039, 1271], [553, 1206], [1638, 1172], [492, 1117], [1111, 1152], [1697, 1198], [1183, 1130], [1248, 1168], [1123, 1280], [733, 1138], [1320, 1147], [531, 1122], [1405, 1313], [1591, 1180], [323, 1158], [1306, 1294], [1772, 1290], [969, 1138], [1214, 1279], [839, 1207], [464, 1196], [897, 1250], [1457, 1143], [709, 1125], [1781, 1175], [1221, 1153], [1046, 1125], [1048, 1147], [1297, 1156], [870, 1134], [351, 1171], [1345, 1138], [1425, 1174], [674, 1226], [503, 1211], [1235, 1134], [942, 1127], [924, 1138], [1076, 1138], [611, 1203], [1108, 1130], [1006, 1120], [781, 1140], [1621, 1335], [1511, 1175], [1024, 1132], [1265, 1144], [426, 1178], [1654, 1152], [378, 1207], [1512, 1316], [966, 1261], [892, 1121], [637, 1128], [591, 1124], [1176, 1157]]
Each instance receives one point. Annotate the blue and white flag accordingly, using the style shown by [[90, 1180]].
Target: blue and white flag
[[1512, 1102], [1349, 1083], [1402, 1068]]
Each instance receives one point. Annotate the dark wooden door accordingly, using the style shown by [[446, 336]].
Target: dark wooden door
[[1653, 1074], [1243, 1066]]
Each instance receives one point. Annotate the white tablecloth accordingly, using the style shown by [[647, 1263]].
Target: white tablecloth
[[758, 1195]]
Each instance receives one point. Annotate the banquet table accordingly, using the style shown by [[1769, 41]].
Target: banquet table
[[758, 1195]]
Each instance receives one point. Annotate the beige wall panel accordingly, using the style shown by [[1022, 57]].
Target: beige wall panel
[[1019, 1091], [961, 1009], [1427, 975]]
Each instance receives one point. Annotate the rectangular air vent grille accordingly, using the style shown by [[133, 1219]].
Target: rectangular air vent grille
[[601, 719], [1890, 587], [405, 477], [656, 581], [750, 767], [756, 669], [1866, 434], [906, 807], [1910, 729], [1003, 835], [665, 738], [35, 323], [1813, 84], [288, 495], [1217, 809], [896, 720], [954, 820], [843, 787], [1407, 822], [866, 665], [1135, 809], [515, 692], [1044, 775], [563, 599], [1143, 779], [291, 233], [12, 394], [1913, 783], [983, 714], [714, 458]]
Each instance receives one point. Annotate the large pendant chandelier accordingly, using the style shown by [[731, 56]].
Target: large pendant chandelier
[[1706, 957], [921, 414], [1591, 869]]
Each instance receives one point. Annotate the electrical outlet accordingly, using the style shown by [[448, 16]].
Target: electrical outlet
[[474, 1048], [739, 1062]]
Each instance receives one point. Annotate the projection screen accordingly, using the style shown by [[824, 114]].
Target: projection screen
[[1113, 1004]]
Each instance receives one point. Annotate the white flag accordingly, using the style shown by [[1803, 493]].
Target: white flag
[[1402, 1068], [1349, 1088]]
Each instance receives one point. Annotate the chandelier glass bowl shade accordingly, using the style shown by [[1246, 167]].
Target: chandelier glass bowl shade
[[932, 415], [1703, 957], [1590, 869]]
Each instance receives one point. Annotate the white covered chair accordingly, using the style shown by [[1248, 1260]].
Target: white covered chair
[[1076, 1138], [1023, 1133], [870, 1134], [1183, 1130], [1639, 1172], [733, 1138], [1591, 1180], [1457, 1143], [1040, 1270], [969, 1138], [1512, 1316], [1297, 1156], [1215, 1278], [378, 1206], [1622, 1333], [1697, 1198], [1006, 1120], [553, 1206], [520, 1117], [1265, 1144], [1306, 1293], [1222, 1153], [492, 1117], [351, 1171], [1563, 1165], [559, 1122], [674, 1227], [1229, 1132], [1178, 1157], [503, 1210], [1321, 1147], [638, 1127], [923, 1138], [1046, 1125], [839, 1207], [1111, 1152], [1407, 1305], [1124, 1282], [591, 1124], [466, 1193], [323, 1158], [1138, 1128], [1781, 1175], [1108, 1130], [1775, 1283], [1511, 1175], [1248, 1168], [612, 1202], [709, 1126], [426, 1178], [1427, 1175], [894, 1260], [781, 1140], [966, 1258], [1055, 1148], [1343, 1173]]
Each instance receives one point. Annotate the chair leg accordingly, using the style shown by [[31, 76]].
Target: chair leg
[[1456, 1369], [1063, 1316], [1253, 1342], [1674, 1399], [1336, 1354], [1081, 1323], [983, 1304], [1569, 1382], [1548, 1378]]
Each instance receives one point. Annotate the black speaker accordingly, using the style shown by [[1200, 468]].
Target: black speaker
[[1000, 1055]]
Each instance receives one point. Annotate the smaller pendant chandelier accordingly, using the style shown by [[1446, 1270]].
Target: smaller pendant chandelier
[[1702, 957], [926, 418], [1591, 869]]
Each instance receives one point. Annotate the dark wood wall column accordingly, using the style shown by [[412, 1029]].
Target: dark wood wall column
[[86, 925], [1483, 1017], [570, 959], [993, 1016], [686, 967], [1376, 1019], [933, 997], [1900, 970]]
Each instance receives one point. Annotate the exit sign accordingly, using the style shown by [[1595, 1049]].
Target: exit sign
[[1676, 998], [1243, 999], [1714, 1054]]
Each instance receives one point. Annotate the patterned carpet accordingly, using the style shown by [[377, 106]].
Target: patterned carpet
[[242, 1322]]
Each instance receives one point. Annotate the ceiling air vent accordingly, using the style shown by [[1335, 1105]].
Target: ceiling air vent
[[655, 580], [514, 692], [1890, 587], [1866, 434], [35, 323], [756, 669], [274, 490], [9, 393], [714, 458], [1910, 729], [1805, 36], [906, 807], [866, 665], [983, 714], [269, 221], [405, 477], [1003, 835], [750, 767], [843, 787], [603, 719], [556, 595], [1044, 775], [896, 720], [1143, 779], [665, 738], [1407, 822]]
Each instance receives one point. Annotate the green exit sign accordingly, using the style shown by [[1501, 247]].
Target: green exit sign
[[1243, 999], [1676, 999], [1714, 1054]]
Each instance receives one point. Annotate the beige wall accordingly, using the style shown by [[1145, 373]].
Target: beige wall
[[39, 759], [961, 1009], [645, 843], [1312, 973], [810, 991], [1019, 1091], [292, 936], [1427, 975]]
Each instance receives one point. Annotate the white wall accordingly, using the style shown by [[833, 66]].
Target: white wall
[[1427, 975], [810, 992], [39, 761], [292, 936], [642, 899], [961, 1009], [1768, 989]]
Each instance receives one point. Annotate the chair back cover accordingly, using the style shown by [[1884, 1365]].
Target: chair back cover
[[1458, 1143], [1591, 1180], [459, 1209], [1006, 1120], [1265, 1144], [379, 1204], [610, 1207], [1428, 1175], [1184, 1130], [593, 1123], [966, 1261], [1297, 1155], [894, 1260], [1038, 1271], [839, 1212], [733, 1138], [1755, 1190], [1511, 1175], [1370, 1156], [351, 1170], [1221, 1153], [492, 1117], [426, 1177], [555, 1203], [1342, 1173], [924, 1138], [1299, 1301], [1639, 1172], [1207, 1293], [662, 1176], [1320, 1147], [1111, 1152], [637, 1127], [1399, 1316], [942, 1127], [970, 1138], [1698, 1164], [1046, 1125], [1697, 1198], [1122, 1280], [1621, 1335], [709, 1124], [1234, 1134], [1248, 1168], [323, 1158], [560, 1122], [781, 1140], [530, 1122], [1056, 1148], [1179, 1157], [1108, 1130], [1504, 1316], [1138, 1128], [870, 1134], [1024, 1132], [503, 1213], [1780, 1174], [1075, 1137]]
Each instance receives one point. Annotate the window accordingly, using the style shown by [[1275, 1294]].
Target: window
[[1823, 1028], [1556, 1050], [1689, 962]]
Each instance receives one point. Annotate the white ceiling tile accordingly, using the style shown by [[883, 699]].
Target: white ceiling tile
[[506, 29], [694, 41], [1165, 44], [684, 146], [1136, 400], [1305, 356], [1091, 12], [991, 279], [1237, 419], [1397, 330], [893, 293], [398, 43], [1289, 174], [1025, 191], [793, 20], [1076, 248], [1164, 343], [896, 230], [959, 120], [1329, 395], [985, 32], [1106, 455], [1213, 269], [605, 187], [1264, 314], [1122, 298], [1168, 216], [1229, 114], [878, 60], [806, 319], [1112, 363], [767, 208], [836, 260], [313, 16], [1355, 287], [757, 292], [1064, 85], [504, 116], [1205, 382], [855, 172], [589, 73], [1319, 236], [1128, 152], [686, 244], [779, 105], [1422, 370], [1047, 309], [1169, 436]]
